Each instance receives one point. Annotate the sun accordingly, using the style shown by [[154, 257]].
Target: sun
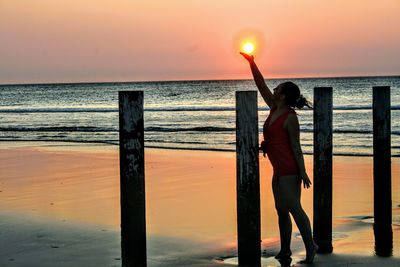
[[248, 47], [249, 41]]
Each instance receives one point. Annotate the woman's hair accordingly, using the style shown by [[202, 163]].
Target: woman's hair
[[293, 98]]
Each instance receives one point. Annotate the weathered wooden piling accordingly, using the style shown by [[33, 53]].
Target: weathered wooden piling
[[248, 179], [322, 223], [133, 214], [382, 172]]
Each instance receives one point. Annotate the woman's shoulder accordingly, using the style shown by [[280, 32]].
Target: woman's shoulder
[[291, 115], [289, 112]]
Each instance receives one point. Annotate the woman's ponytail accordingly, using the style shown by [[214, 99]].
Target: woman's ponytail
[[301, 102]]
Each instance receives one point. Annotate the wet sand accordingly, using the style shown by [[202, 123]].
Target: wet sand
[[60, 205]]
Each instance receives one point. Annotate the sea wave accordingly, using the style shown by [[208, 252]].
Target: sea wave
[[190, 129], [57, 129], [349, 131], [56, 110], [162, 129], [162, 109]]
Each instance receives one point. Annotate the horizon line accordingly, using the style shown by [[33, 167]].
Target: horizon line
[[195, 80]]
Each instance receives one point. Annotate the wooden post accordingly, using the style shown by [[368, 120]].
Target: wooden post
[[133, 215], [322, 223], [248, 179], [382, 172]]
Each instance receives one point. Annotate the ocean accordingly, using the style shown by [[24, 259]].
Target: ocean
[[186, 114]]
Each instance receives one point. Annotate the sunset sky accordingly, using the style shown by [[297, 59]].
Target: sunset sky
[[132, 40]]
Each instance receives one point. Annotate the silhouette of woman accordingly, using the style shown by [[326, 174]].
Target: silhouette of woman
[[282, 145]]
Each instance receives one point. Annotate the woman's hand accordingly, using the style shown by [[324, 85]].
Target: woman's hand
[[263, 148], [249, 58], [306, 180]]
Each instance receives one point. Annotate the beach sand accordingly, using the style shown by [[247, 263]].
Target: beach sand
[[59, 206]]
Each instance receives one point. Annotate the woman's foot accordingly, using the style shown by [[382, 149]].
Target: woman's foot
[[283, 255], [310, 255]]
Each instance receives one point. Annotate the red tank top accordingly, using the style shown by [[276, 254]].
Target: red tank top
[[278, 146]]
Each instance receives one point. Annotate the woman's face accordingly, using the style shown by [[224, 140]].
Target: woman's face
[[278, 92]]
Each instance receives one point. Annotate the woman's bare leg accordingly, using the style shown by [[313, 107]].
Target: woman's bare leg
[[287, 193], [285, 223]]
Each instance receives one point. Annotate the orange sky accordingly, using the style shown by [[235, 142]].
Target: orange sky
[[134, 40]]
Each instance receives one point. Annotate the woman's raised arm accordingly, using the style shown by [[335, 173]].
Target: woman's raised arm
[[260, 82]]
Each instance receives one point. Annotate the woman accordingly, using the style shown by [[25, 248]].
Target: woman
[[282, 144]]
